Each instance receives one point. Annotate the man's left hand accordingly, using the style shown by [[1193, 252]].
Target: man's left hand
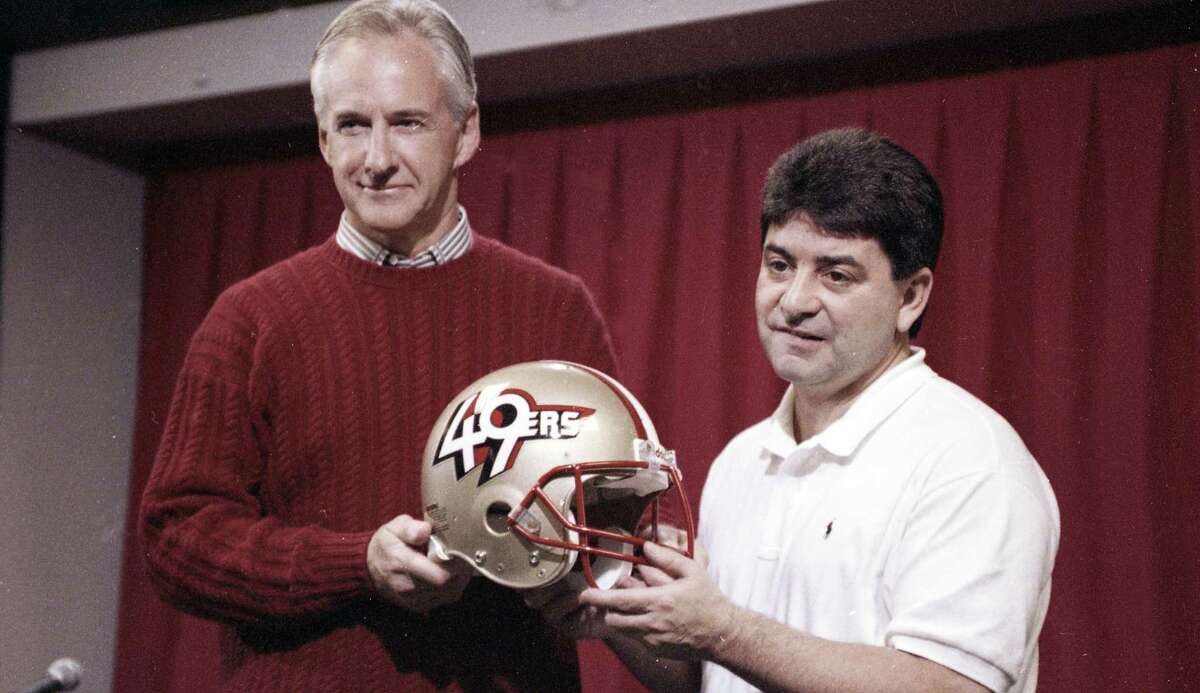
[[677, 610]]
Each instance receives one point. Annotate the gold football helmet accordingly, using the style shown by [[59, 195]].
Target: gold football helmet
[[537, 464]]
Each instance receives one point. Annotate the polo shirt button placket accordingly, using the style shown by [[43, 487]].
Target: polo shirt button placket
[[777, 507]]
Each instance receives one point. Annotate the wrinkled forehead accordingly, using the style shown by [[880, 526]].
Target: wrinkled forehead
[[801, 220]]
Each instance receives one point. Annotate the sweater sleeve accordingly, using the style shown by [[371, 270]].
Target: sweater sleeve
[[210, 548]]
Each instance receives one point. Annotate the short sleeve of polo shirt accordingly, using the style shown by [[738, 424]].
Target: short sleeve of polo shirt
[[969, 581]]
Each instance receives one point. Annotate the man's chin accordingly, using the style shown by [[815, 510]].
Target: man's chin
[[796, 369], [387, 224]]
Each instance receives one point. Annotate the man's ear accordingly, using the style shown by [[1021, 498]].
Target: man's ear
[[323, 140], [915, 295], [468, 137]]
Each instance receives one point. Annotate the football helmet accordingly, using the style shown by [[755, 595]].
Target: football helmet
[[538, 464]]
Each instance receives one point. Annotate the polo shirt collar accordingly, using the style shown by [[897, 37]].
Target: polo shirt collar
[[870, 409]]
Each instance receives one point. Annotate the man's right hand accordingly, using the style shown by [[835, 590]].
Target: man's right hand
[[404, 575]]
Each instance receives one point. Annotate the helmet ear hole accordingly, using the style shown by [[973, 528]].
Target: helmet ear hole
[[496, 518]]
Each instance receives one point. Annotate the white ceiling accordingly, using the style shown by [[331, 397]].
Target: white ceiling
[[250, 73]]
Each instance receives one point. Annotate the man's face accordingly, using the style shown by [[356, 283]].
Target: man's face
[[387, 133], [830, 316]]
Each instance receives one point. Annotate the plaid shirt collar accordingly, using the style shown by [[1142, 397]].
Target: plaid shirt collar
[[451, 246]]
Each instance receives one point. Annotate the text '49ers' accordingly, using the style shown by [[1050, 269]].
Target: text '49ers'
[[488, 429]]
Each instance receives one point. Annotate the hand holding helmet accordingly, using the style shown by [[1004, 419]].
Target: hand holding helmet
[[401, 572]]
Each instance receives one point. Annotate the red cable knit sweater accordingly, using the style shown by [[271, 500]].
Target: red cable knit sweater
[[297, 429]]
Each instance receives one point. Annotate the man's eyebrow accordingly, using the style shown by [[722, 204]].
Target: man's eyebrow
[[835, 260], [408, 113], [397, 114], [822, 261], [778, 250]]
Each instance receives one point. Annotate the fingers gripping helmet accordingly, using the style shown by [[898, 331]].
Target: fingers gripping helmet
[[545, 470]]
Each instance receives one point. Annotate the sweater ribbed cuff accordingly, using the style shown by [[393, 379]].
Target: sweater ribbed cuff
[[340, 564]]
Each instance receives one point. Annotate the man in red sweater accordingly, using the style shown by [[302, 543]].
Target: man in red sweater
[[283, 497]]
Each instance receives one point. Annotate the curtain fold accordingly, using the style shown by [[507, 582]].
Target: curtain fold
[[1067, 297]]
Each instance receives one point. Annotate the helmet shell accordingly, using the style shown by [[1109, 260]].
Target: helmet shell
[[496, 440]]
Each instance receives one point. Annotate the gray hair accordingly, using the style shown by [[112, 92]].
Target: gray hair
[[371, 18]]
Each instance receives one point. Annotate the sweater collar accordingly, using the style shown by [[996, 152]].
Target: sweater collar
[[474, 260]]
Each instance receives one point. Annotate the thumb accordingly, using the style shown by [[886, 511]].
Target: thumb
[[669, 561], [410, 531]]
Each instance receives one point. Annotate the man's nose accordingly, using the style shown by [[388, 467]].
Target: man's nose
[[799, 299], [381, 160]]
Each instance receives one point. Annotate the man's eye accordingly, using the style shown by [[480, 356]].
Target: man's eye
[[349, 126], [839, 277], [777, 266], [411, 124]]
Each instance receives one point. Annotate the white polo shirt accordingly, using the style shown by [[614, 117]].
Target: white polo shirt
[[918, 520]]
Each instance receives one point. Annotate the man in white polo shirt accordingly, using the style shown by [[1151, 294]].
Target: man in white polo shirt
[[882, 530]]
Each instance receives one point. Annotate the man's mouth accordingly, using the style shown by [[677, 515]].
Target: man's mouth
[[380, 189], [801, 334]]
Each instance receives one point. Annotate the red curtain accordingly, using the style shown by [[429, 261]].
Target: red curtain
[[1067, 297]]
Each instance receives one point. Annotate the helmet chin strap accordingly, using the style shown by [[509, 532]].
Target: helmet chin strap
[[436, 550], [606, 571]]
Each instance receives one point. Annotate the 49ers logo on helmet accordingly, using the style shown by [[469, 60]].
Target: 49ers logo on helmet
[[489, 428]]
